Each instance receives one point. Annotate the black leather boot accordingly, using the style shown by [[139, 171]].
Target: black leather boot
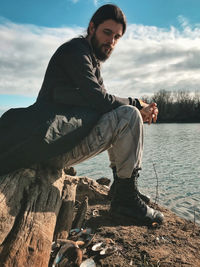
[[126, 202], [134, 176]]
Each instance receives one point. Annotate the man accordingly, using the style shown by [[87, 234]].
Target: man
[[82, 119]]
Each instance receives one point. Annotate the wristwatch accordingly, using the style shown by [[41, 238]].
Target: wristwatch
[[139, 103]]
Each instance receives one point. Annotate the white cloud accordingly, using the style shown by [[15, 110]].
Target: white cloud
[[75, 1], [100, 2], [95, 2], [146, 59], [149, 59], [24, 54]]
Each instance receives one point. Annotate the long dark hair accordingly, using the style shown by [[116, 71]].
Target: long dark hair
[[106, 12]]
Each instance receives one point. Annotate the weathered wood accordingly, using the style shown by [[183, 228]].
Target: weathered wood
[[80, 215], [89, 187], [30, 203], [66, 213], [36, 207]]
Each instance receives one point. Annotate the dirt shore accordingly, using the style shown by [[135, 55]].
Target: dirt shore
[[175, 243]]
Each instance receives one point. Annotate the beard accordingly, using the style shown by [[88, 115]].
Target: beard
[[101, 51]]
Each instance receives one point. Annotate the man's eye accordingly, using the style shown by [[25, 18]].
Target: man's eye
[[117, 37], [107, 33]]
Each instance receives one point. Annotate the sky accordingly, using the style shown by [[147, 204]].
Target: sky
[[160, 49]]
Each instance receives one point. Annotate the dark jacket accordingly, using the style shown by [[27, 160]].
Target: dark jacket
[[73, 79], [70, 102]]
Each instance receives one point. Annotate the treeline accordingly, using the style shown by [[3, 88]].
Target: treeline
[[176, 106]]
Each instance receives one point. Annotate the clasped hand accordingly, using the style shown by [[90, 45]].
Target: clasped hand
[[149, 112]]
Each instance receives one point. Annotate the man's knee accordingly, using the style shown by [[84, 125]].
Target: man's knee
[[129, 112]]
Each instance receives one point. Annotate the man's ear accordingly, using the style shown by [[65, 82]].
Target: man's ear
[[91, 28]]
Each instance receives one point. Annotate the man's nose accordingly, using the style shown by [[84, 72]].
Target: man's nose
[[111, 40]]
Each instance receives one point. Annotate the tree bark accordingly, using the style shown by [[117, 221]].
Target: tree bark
[[36, 207]]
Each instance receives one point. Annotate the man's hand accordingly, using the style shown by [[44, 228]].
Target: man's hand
[[149, 112]]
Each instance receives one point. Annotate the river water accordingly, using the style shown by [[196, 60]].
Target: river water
[[171, 159]]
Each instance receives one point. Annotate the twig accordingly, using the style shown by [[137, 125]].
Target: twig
[[157, 195], [194, 222]]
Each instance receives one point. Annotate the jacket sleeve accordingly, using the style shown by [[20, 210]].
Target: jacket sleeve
[[86, 89]]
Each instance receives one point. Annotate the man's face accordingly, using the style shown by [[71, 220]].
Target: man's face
[[105, 37]]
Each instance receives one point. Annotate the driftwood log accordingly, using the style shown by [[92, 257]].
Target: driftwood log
[[37, 208]]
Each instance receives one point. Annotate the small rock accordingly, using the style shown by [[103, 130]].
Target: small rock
[[103, 181], [70, 171]]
